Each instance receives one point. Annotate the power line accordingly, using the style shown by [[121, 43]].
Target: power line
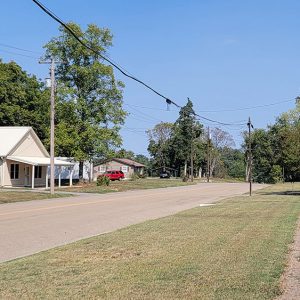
[[57, 19], [248, 108], [144, 114], [19, 54], [20, 49], [83, 43]]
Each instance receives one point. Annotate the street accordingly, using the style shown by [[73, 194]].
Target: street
[[30, 227]]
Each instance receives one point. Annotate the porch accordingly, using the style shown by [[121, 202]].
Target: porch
[[31, 171]]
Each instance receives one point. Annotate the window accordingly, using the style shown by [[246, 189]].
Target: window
[[37, 171], [14, 171], [102, 168], [124, 169]]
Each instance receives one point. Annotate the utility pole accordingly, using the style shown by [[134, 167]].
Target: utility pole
[[249, 124], [52, 116], [192, 160], [208, 155]]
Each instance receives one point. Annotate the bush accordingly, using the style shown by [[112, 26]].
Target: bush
[[103, 180], [144, 175], [185, 178], [134, 177], [275, 174]]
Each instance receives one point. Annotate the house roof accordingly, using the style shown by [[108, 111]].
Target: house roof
[[11, 136], [129, 162], [126, 161], [39, 161]]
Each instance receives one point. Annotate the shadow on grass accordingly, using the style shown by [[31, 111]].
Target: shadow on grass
[[288, 192]]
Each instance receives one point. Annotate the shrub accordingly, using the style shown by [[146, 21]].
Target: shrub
[[144, 175], [103, 180], [134, 177], [185, 178]]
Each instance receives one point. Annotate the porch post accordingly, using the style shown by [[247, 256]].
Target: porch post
[[2, 172], [32, 177], [47, 177], [71, 175], [59, 177]]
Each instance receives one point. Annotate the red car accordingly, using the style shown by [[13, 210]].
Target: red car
[[114, 175]]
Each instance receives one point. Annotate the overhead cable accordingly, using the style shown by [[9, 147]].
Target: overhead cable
[[84, 43]]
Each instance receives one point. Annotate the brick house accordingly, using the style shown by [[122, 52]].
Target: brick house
[[127, 166]]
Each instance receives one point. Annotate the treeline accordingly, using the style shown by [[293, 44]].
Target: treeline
[[88, 102], [185, 147], [276, 150]]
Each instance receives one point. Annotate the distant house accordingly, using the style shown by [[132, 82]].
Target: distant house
[[23, 159], [64, 173], [127, 166]]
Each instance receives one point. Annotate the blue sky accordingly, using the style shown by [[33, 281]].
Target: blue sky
[[223, 55]]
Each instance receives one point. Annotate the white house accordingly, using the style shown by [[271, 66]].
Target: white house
[[63, 172], [23, 159]]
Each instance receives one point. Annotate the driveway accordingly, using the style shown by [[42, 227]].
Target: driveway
[[30, 227]]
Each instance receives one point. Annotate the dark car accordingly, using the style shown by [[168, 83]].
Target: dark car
[[164, 175]]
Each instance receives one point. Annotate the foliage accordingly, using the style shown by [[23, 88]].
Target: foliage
[[159, 143], [134, 177], [89, 99], [276, 150], [23, 100], [103, 180]]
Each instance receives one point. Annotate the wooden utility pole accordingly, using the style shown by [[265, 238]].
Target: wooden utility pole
[[52, 116], [52, 105], [249, 124], [208, 155], [192, 161]]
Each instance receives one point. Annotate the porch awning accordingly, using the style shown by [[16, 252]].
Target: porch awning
[[39, 161]]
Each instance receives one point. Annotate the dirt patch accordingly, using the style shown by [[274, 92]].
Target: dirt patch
[[290, 281]]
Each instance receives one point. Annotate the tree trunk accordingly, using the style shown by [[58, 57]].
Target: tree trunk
[[200, 172], [185, 168], [81, 170]]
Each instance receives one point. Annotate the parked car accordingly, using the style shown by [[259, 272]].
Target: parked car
[[114, 175], [164, 175]]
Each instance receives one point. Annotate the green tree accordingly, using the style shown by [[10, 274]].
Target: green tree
[[159, 144], [186, 130], [23, 100], [89, 106]]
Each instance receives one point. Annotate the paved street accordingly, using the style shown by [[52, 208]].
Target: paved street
[[30, 227]]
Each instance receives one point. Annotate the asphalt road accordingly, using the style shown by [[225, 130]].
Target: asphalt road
[[30, 227]]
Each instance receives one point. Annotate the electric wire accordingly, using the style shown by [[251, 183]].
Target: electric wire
[[83, 43], [249, 107], [19, 54], [18, 48], [57, 19]]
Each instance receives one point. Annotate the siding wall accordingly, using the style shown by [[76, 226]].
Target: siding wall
[[28, 147], [1, 172], [21, 180], [113, 165]]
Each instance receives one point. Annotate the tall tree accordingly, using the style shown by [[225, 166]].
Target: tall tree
[[23, 100], [159, 143], [221, 140], [187, 129], [89, 97]]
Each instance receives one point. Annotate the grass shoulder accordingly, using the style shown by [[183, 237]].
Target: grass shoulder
[[236, 249], [127, 185], [21, 196]]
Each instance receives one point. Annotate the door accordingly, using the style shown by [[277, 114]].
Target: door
[[27, 176]]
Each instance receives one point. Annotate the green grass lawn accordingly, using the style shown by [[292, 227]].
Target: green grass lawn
[[11, 196], [236, 249], [127, 185]]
